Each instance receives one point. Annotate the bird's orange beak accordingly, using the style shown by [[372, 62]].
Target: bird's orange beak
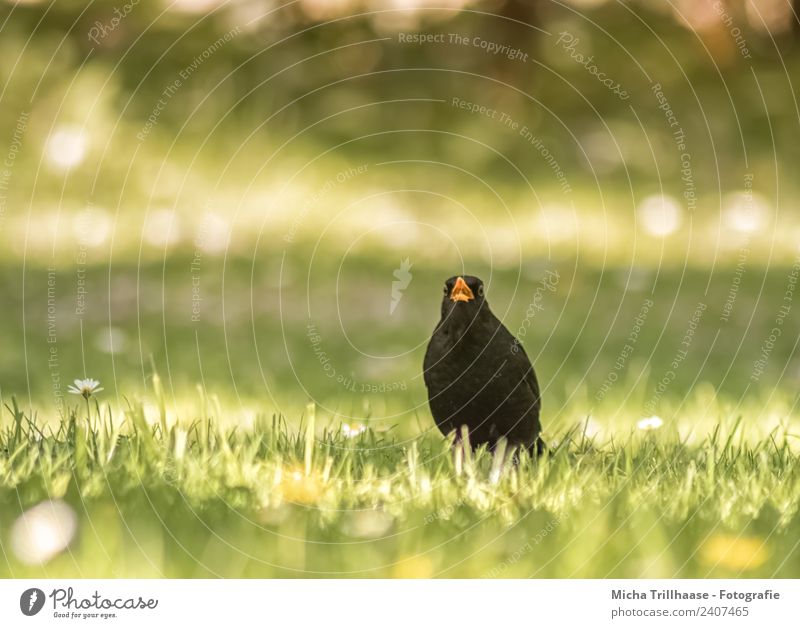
[[461, 291]]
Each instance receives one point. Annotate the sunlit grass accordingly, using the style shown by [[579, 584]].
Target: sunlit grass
[[609, 230], [202, 496]]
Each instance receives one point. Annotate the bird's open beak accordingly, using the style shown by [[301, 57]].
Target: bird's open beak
[[461, 291]]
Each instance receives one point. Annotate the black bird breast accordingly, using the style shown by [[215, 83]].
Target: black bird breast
[[478, 375]]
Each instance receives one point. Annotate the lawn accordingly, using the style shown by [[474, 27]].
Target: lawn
[[220, 467], [195, 499]]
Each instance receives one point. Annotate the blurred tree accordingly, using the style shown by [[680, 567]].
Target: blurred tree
[[520, 16], [796, 16]]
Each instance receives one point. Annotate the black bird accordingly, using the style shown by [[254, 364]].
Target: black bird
[[478, 374]]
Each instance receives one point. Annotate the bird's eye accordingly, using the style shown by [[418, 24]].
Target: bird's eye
[[446, 291], [480, 291]]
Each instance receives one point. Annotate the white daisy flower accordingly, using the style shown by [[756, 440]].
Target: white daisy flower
[[650, 423], [84, 387]]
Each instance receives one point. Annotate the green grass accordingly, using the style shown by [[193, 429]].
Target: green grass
[[252, 342], [230, 481], [203, 497]]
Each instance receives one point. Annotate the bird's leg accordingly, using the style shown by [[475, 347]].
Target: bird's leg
[[458, 458]]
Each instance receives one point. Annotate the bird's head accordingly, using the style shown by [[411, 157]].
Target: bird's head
[[463, 297]]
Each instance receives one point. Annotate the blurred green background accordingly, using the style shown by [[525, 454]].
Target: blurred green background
[[222, 192]]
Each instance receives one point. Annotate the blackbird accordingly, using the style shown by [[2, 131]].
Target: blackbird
[[478, 374]]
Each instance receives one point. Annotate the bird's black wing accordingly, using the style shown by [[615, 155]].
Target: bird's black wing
[[533, 383], [426, 367], [432, 355], [519, 364]]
